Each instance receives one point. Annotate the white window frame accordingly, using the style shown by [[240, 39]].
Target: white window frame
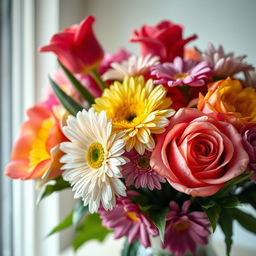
[[29, 221], [33, 24], [5, 134]]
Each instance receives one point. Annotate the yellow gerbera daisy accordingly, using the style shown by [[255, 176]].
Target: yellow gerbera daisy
[[137, 108]]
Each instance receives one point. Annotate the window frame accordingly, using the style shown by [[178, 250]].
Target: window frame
[[24, 224], [6, 244]]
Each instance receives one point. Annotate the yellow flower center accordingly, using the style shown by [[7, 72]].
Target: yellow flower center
[[180, 76], [132, 216], [39, 151], [95, 155], [127, 112], [180, 226], [143, 163]]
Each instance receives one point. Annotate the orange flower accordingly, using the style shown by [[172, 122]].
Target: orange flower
[[192, 54], [228, 97], [36, 153]]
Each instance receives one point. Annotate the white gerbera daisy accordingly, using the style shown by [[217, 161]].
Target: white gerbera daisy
[[93, 159], [134, 66], [224, 64]]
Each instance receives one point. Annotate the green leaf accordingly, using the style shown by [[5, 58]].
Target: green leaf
[[159, 219], [96, 76], [207, 204], [226, 188], [68, 103], [213, 214], [226, 224], [79, 87], [249, 197], [67, 222], [59, 184], [245, 220], [230, 202], [130, 249], [79, 213], [91, 229]]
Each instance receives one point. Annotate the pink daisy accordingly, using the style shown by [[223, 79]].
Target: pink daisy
[[185, 230], [250, 78], [224, 64], [181, 72], [127, 220], [139, 171]]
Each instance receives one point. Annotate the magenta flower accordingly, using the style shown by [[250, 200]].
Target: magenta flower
[[127, 220], [181, 72], [139, 172], [185, 230], [249, 142]]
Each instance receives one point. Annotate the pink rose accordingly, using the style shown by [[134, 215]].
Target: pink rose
[[76, 47], [163, 40], [198, 154]]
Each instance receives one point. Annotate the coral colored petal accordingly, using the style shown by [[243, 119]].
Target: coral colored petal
[[38, 113], [54, 169], [22, 146], [40, 169], [55, 137], [18, 169], [199, 191]]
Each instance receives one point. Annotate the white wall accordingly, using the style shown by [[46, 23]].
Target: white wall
[[228, 22]]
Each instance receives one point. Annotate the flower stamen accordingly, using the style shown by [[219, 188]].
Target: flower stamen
[[180, 226], [132, 216], [180, 76], [143, 163]]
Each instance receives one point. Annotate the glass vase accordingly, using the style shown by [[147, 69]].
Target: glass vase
[[157, 250]]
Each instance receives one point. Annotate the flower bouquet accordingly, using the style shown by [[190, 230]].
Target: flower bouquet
[[156, 145]]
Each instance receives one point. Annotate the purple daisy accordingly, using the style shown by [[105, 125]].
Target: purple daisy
[[185, 230], [139, 171], [181, 72], [127, 220]]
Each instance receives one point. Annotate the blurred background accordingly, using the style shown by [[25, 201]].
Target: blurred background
[[27, 24]]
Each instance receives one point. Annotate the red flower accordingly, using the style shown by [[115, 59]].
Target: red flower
[[164, 40], [76, 47]]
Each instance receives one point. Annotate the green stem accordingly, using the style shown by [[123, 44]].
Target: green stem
[[96, 76]]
